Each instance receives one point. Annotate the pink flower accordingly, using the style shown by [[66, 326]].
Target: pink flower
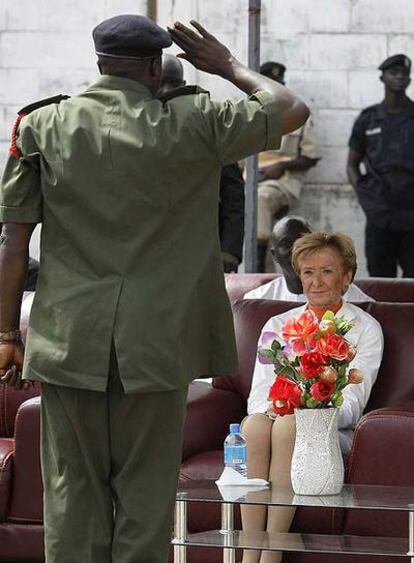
[[333, 346], [266, 339], [265, 345], [305, 326], [301, 332]]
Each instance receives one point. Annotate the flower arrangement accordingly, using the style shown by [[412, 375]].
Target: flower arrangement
[[312, 365]]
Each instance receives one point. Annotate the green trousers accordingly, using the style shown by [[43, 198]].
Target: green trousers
[[110, 466]]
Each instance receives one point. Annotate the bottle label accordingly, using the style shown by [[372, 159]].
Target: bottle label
[[234, 455]]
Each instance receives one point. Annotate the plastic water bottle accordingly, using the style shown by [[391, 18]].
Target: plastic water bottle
[[235, 453]]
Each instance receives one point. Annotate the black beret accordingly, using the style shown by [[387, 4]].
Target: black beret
[[400, 60], [130, 36], [273, 70]]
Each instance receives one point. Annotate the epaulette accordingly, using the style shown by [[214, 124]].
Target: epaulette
[[182, 91], [13, 150]]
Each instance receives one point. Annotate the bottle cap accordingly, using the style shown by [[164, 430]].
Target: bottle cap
[[235, 428]]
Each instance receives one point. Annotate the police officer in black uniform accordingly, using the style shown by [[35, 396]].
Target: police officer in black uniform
[[383, 139]]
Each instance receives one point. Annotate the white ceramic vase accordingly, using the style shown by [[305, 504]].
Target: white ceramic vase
[[317, 465]]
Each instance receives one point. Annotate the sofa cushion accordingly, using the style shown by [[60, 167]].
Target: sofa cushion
[[395, 382], [10, 401], [395, 290], [250, 315], [6, 457], [27, 493], [21, 543]]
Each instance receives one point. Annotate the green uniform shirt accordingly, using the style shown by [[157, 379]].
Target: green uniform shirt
[[127, 190]]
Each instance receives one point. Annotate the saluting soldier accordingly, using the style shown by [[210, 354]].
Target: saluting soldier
[[282, 172], [383, 139], [130, 303]]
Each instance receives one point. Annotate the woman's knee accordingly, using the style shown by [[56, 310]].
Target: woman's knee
[[284, 429], [256, 427]]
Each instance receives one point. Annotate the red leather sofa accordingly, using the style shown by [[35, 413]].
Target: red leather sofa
[[383, 450]]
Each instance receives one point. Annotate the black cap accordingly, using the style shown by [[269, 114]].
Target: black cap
[[400, 60], [130, 36], [274, 70]]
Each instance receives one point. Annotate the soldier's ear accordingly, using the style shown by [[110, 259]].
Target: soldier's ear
[[155, 66]]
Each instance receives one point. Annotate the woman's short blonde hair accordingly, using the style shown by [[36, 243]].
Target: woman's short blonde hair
[[308, 244]]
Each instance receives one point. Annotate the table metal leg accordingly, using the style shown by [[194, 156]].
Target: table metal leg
[[411, 535], [227, 527], [180, 530]]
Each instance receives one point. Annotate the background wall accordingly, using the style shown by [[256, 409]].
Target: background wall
[[332, 49]]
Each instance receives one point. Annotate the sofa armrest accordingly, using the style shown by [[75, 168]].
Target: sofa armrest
[[209, 413], [382, 454], [383, 448], [6, 457], [27, 492]]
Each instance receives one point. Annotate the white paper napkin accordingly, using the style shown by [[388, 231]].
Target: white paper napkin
[[231, 477]]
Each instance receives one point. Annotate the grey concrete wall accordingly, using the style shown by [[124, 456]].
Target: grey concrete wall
[[331, 48]]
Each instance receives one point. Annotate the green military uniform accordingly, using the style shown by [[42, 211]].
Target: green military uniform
[[126, 187]]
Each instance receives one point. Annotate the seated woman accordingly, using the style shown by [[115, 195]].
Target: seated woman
[[326, 264]]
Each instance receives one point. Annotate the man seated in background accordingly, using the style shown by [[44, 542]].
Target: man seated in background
[[231, 203], [288, 287], [282, 172]]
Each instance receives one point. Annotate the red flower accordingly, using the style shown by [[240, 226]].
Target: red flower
[[334, 346], [301, 332], [311, 364], [322, 390], [285, 395]]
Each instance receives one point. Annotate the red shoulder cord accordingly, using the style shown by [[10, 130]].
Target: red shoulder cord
[[13, 150]]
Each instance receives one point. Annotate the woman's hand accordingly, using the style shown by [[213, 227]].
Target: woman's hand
[[11, 365]]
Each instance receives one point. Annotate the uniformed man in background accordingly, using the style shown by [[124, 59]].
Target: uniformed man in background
[[383, 140], [282, 172], [130, 303]]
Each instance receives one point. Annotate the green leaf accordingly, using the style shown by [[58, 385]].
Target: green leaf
[[312, 403], [276, 346], [337, 399], [328, 316]]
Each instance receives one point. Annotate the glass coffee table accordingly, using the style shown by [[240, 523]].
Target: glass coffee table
[[370, 497]]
